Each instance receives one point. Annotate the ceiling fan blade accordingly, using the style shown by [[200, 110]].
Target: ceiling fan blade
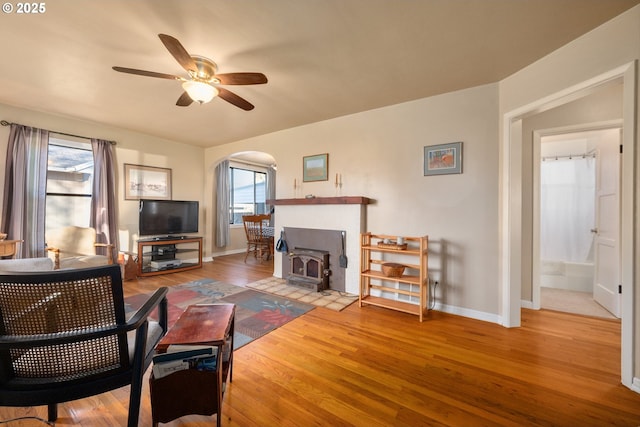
[[184, 100], [146, 73], [242, 78], [234, 99], [179, 52]]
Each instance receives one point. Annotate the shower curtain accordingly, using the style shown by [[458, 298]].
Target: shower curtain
[[567, 209]]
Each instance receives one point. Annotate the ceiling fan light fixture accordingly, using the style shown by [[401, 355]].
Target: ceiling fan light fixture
[[200, 91]]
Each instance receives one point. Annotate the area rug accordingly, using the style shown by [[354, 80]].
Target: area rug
[[332, 299], [257, 313]]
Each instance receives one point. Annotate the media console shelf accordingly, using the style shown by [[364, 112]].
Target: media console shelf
[[406, 293], [161, 256]]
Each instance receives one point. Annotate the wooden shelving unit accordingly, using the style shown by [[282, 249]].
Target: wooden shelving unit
[[408, 293]]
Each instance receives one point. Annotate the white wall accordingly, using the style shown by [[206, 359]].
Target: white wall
[[184, 160], [380, 155]]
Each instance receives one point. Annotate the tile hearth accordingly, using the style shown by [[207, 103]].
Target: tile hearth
[[331, 299]]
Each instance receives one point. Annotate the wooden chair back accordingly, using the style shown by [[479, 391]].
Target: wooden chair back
[[257, 242], [253, 225]]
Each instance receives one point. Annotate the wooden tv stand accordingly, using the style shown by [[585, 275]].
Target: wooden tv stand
[[159, 256]]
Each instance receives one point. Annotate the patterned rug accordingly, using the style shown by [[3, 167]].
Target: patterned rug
[[257, 313], [335, 300]]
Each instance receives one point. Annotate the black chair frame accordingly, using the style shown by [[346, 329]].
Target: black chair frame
[[18, 390]]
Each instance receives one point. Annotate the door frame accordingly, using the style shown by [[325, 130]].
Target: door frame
[[511, 205], [538, 135]]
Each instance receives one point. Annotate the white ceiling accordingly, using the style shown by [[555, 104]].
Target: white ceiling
[[323, 58]]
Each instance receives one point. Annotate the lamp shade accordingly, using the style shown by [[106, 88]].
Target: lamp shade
[[199, 91]]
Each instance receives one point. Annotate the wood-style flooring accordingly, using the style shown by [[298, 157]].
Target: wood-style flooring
[[374, 367]]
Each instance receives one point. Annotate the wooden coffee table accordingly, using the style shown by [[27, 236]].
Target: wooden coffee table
[[192, 391]]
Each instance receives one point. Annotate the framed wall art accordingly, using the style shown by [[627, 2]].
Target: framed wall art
[[146, 182], [443, 159], [315, 168]]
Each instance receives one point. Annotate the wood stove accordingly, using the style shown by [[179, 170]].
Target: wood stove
[[309, 269]]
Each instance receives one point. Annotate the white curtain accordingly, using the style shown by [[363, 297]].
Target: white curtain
[[567, 209]]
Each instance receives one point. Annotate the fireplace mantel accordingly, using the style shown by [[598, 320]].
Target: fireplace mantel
[[340, 213], [340, 200]]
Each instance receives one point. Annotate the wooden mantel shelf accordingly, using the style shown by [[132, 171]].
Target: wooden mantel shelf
[[343, 200]]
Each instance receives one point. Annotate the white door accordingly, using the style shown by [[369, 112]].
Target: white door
[[607, 227]]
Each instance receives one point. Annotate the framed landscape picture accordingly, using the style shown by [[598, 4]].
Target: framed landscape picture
[[443, 159], [315, 168], [146, 182]]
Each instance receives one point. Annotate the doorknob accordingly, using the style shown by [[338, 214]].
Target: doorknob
[[594, 230]]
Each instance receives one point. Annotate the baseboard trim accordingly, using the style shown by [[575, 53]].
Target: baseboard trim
[[231, 252], [527, 304], [466, 312]]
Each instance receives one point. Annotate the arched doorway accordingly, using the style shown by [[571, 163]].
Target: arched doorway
[[249, 182]]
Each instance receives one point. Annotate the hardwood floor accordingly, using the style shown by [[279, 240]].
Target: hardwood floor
[[376, 367]]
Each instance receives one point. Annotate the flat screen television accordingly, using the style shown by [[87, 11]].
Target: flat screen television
[[167, 217]]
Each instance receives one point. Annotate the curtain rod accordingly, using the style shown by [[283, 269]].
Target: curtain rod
[[6, 123], [570, 156], [248, 163]]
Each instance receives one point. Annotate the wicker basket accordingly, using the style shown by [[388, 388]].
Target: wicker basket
[[392, 245], [391, 269]]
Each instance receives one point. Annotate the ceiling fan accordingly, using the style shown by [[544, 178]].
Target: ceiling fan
[[203, 82]]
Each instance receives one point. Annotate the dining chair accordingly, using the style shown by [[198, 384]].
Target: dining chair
[[258, 241]]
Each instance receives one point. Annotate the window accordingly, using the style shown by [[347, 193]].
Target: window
[[69, 183], [248, 193]]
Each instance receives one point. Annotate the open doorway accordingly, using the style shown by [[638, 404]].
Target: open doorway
[[515, 245], [577, 261], [244, 181]]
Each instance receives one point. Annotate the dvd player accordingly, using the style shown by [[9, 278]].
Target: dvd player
[[169, 263]]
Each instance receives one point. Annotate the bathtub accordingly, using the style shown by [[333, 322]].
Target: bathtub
[[573, 276]]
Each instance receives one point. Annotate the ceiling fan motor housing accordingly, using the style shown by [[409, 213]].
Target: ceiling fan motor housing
[[206, 69]]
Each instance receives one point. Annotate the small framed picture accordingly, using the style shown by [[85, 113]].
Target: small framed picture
[[315, 168], [443, 159], [146, 182]]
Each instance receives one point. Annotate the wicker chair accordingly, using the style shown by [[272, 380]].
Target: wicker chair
[[65, 336]]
